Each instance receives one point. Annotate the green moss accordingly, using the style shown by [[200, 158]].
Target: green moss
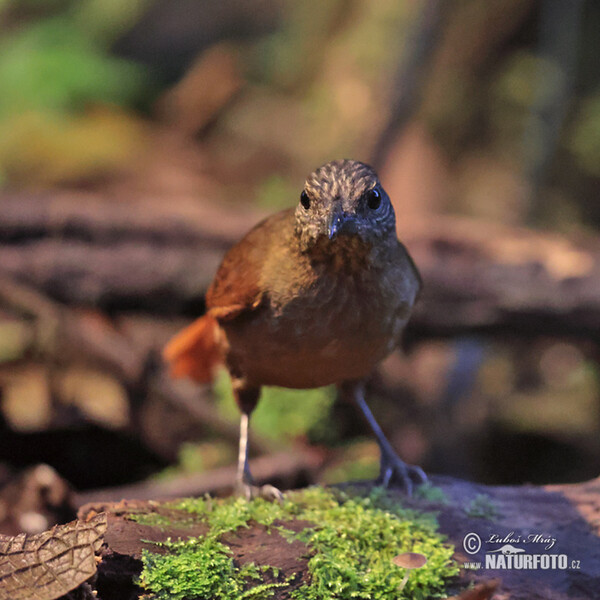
[[161, 520], [200, 568], [482, 507], [353, 541], [432, 493]]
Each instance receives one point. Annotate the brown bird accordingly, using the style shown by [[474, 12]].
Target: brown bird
[[314, 295]]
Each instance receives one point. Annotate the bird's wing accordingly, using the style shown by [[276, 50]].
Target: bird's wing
[[236, 287]]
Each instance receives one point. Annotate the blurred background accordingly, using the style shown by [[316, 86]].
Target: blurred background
[[140, 139]]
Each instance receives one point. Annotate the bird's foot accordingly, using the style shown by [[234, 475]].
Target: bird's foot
[[395, 472], [267, 492]]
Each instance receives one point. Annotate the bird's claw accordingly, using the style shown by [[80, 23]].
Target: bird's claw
[[267, 492], [395, 472]]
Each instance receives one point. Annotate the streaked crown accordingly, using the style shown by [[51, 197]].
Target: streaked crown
[[343, 198]]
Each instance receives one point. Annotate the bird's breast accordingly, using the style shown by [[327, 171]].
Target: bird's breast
[[330, 324]]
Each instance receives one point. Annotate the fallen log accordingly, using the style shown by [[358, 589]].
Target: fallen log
[[494, 530], [482, 277]]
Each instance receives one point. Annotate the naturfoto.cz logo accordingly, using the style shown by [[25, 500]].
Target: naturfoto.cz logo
[[506, 552]]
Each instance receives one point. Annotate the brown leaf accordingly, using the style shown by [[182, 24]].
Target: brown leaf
[[50, 564]]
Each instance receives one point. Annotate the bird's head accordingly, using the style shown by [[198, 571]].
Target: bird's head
[[343, 201]]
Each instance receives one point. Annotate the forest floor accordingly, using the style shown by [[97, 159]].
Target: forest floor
[[501, 522]]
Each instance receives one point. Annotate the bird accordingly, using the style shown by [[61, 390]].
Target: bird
[[314, 295]]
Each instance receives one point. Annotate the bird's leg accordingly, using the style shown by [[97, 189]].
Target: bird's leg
[[243, 471], [247, 398], [392, 468]]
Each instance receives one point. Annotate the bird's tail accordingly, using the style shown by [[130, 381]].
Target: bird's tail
[[195, 351]]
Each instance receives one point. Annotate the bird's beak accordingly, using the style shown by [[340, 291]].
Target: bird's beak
[[342, 222]]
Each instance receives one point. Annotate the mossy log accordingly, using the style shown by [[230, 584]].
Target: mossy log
[[508, 524]]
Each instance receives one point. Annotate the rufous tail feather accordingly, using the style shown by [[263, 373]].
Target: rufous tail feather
[[195, 352]]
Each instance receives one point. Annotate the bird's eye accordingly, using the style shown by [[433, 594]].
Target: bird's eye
[[373, 199], [305, 200]]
